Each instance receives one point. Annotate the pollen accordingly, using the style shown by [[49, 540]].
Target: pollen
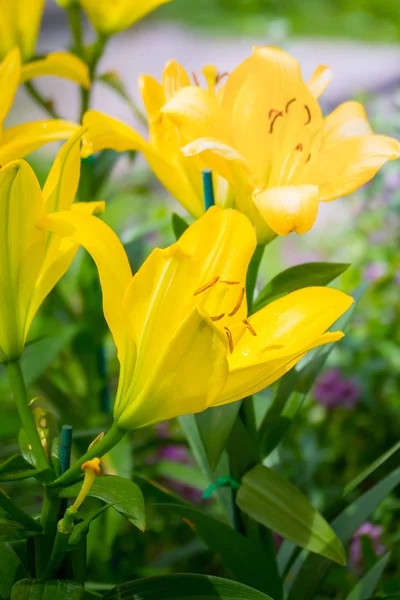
[[93, 465], [218, 317], [205, 287], [308, 115], [238, 303], [271, 127], [230, 339], [288, 104], [249, 327]]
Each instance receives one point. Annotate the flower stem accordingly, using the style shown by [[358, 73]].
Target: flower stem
[[16, 379], [75, 24], [111, 439], [93, 61], [47, 105], [64, 530]]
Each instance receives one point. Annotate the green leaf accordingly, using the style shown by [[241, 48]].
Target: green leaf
[[183, 587], [215, 425], [179, 225], [32, 589], [298, 277], [271, 500], [124, 496], [11, 569], [367, 584], [245, 559], [370, 469], [315, 568], [15, 468], [190, 428], [188, 475]]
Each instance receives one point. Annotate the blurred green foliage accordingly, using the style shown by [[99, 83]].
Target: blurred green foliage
[[377, 20]]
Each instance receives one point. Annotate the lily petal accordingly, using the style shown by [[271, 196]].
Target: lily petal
[[288, 208], [152, 95], [174, 78], [286, 329], [22, 249], [109, 255], [349, 119], [109, 18], [320, 80], [10, 73], [193, 365], [58, 64], [22, 139], [352, 162]]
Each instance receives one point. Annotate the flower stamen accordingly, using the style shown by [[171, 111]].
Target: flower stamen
[[249, 327], [195, 79], [238, 303], [205, 287], [308, 115], [299, 147], [278, 114], [218, 317], [229, 282], [230, 339], [288, 104]]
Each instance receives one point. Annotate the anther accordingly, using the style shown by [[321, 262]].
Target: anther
[[274, 111], [229, 282], [238, 303], [249, 327], [205, 287], [218, 317], [299, 147], [288, 104], [309, 156], [271, 127], [308, 115], [195, 79], [230, 339], [221, 76]]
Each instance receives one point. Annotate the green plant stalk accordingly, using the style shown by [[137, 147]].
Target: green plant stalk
[[17, 513], [74, 17], [97, 53], [64, 530], [47, 105], [252, 275], [48, 519], [111, 439], [17, 383]]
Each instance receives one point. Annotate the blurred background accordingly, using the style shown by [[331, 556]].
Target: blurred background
[[353, 414]]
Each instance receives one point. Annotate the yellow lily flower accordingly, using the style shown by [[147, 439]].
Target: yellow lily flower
[[32, 261], [19, 25], [184, 339], [265, 134], [181, 176], [17, 141], [109, 18]]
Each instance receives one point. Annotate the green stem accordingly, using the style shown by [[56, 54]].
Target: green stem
[[97, 53], [18, 514], [47, 105], [252, 275], [111, 439], [16, 379], [48, 519], [74, 16], [64, 529]]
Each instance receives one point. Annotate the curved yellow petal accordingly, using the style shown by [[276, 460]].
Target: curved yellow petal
[[19, 25], [270, 109], [20, 140], [10, 73], [111, 17], [63, 179], [320, 80], [109, 255], [286, 329], [352, 162], [218, 156], [183, 378], [58, 64], [347, 120], [152, 95], [288, 208], [22, 249], [174, 78], [197, 113], [182, 179]]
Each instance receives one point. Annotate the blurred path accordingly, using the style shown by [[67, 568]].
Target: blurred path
[[145, 49]]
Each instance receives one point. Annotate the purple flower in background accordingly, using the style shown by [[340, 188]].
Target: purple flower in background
[[333, 390], [375, 270], [179, 454], [374, 532], [397, 276]]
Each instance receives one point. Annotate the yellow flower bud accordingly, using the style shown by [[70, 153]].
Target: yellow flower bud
[[19, 25], [111, 17]]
